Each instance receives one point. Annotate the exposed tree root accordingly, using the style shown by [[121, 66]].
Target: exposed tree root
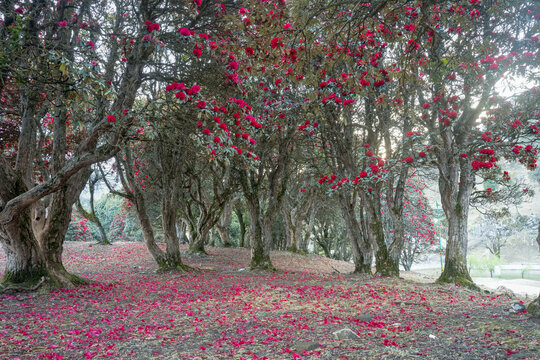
[[21, 288]]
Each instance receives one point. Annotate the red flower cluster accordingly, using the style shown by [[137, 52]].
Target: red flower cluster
[[408, 159], [487, 151], [186, 32], [479, 164], [150, 26], [197, 50], [276, 42]]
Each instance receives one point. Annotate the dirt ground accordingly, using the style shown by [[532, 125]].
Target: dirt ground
[[223, 311]]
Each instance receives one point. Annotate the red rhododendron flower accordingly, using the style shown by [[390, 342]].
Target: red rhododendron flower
[[276, 42], [487, 151], [150, 26], [422, 154], [201, 104], [111, 118], [197, 50], [408, 159], [184, 31], [206, 131]]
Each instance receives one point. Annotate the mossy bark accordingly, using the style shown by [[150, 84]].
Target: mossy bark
[[24, 264], [53, 234], [260, 249], [455, 203], [362, 251], [197, 245], [33, 241], [171, 260], [384, 263]]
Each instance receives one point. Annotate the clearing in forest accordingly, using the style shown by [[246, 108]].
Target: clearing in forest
[[223, 311]]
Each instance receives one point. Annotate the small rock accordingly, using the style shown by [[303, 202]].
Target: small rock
[[518, 308], [505, 291], [432, 336], [307, 346], [242, 269], [345, 334], [366, 317], [534, 308]]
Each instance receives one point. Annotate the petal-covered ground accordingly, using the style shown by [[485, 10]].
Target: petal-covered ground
[[225, 312]]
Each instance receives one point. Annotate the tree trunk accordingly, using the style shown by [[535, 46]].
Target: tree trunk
[[211, 238], [197, 244], [260, 249], [34, 246], [308, 229], [103, 240], [396, 248], [52, 237], [455, 266], [24, 264], [224, 226], [181, 231], [385, 265], [455, 197], [362, 252], [91, 215], [240, 217], [538, 237], [291, 229], [168, 260], [168, 221]]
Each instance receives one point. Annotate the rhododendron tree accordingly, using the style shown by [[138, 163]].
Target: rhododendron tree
[[91, 214], [468, 57], [299, 210], [61, 105], [79, 230]]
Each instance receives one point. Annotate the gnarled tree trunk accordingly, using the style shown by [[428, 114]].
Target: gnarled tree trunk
[[362, 251], [25, 265], [385, 265], [455, 196], [224, 225], [260, 247]]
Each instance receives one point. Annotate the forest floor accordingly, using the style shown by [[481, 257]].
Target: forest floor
[[223, 311]]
